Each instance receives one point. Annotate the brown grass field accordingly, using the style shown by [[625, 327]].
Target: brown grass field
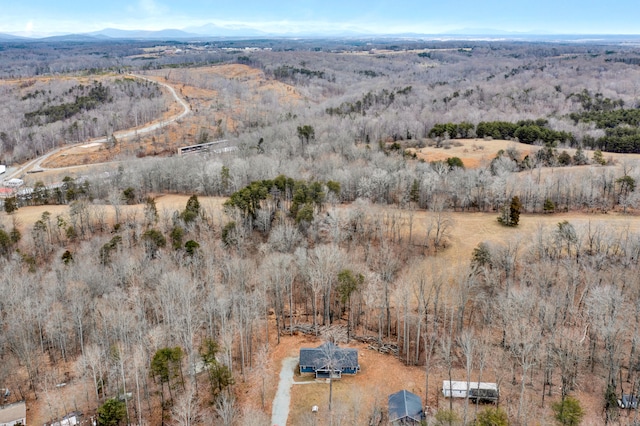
[[479, 152]]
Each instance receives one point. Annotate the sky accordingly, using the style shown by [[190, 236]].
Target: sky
[[46, 17]]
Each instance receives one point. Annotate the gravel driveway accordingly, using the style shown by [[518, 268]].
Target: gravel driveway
[[280, 410]]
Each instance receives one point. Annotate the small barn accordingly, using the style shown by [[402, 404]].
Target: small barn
[[405, 408], [13, 414], [475, 391], [329, 360]]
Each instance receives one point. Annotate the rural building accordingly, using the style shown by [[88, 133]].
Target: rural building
[[6, 192], [13, 183], [405, 408], [329, 359], [476, 391], [13, 414], [217, 147]]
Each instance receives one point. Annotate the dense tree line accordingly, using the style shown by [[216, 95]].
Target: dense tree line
[[620, 139], [621, 131], [97, 95], [287, 73], [525, 131], [384, 99], [621, 127]]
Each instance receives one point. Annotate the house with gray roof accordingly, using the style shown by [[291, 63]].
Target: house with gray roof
[[405, 408], [329, 361]]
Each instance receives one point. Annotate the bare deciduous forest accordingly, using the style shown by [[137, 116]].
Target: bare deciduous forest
[[338, 215]]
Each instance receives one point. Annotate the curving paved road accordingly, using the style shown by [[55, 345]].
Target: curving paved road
[[36, 163]]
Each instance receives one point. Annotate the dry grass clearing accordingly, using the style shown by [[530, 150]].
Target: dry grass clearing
[[473, 152], [254, 78], [466, 232], [25, 217], [468, 229], [479, 152]]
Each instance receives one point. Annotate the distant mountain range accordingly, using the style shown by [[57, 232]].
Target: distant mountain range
[[142, 34], [216, 30], [492, 32], [10, 37], [211, 31]]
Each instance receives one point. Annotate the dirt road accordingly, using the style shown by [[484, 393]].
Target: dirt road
[[36, 163]]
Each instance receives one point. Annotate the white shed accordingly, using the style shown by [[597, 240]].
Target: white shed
[[71, 419], [13, 183], [13, 414], [474, 390]]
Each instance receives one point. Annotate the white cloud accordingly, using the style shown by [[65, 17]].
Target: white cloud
[[29, 27], [319, 26], [142, 9], [151, 7]]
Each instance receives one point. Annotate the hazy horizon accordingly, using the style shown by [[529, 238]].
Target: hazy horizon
[[41, 17]]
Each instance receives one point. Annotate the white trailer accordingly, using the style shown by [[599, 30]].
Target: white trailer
[[480, 391], [13, 183]]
